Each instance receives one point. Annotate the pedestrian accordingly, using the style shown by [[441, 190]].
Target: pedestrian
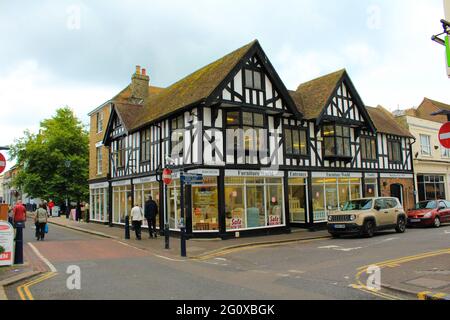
[[19, 214], [83, 211], [40, 219], [78, 212], [150, 212], [86, 207], [51, 205], [136, 220]]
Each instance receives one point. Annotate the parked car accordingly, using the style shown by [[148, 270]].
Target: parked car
[[366, 216], [430, 213]]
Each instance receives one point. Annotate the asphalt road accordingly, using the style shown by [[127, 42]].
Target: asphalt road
[[322, 269]]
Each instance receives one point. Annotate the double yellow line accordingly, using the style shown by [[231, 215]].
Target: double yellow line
[[24, 289], [392, 264]]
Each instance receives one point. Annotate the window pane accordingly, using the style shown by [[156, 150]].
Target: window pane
[[328, 131], [330, 149], [374, 149], [303, 143], [174, 124], [247, 119], [180, 122], [234, 204], [347, 151], [275, 204], [295, 142], [363, 148], [318, 200], [340, 146], [257, 80], [258, 119], [248, 79], [256, 214], [339, 131], [233, 118], [288, 141], [346, 132]]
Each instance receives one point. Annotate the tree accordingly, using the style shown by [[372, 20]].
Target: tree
[[54, 163]]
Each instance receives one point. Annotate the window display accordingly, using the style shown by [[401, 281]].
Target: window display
[[205, 207], [121, 203], [141, 193], [297, 199]]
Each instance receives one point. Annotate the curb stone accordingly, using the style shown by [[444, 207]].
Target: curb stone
[[15, 279], [101, 234]]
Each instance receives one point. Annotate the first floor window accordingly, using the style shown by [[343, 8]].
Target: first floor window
[[368, 148], [99, 121], [296, 142], [336, 140], [145, 145], [445, 153], [394, 151], [99, 160], [425, 145], [120, 153]]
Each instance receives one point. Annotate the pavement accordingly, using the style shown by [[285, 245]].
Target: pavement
[[196, 249]]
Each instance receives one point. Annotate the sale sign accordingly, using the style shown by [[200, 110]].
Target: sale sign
[[6, 244]]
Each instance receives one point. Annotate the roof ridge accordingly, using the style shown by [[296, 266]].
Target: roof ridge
[[323, 76]]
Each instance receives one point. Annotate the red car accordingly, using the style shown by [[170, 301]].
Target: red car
[[429, 213]]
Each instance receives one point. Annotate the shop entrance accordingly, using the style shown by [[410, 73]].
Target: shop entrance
[[397, 191]]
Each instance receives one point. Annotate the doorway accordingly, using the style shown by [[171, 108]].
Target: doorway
[[397, 191]]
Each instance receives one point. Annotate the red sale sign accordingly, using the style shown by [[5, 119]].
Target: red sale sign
[[6, 244]]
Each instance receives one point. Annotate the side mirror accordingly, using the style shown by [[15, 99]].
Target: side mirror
[[377, 207]]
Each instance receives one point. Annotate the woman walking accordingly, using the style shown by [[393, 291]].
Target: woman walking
[[40, 220]]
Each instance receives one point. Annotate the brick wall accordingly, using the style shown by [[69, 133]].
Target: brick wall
[[95, 137], [408, 190]]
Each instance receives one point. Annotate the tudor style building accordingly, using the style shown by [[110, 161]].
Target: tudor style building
[[300, 154]]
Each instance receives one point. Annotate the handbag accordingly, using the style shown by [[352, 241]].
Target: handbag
[[46, 228]]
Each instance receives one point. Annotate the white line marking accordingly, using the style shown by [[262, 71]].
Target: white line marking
[[348, 249], [221, 259], [329, 247], [167, 258], [48, 263]]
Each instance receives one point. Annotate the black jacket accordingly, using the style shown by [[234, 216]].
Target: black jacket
[[150, 209]]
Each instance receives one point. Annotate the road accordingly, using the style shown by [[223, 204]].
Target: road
[[323, 269]]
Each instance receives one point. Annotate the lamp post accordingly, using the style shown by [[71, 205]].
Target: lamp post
[[67, 163]]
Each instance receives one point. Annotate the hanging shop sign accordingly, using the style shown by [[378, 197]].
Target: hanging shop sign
[[6, 244]]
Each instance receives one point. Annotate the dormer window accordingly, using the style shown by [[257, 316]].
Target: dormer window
[[336, 141], [253, 79]]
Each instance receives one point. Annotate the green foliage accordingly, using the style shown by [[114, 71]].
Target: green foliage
[[54, 163]]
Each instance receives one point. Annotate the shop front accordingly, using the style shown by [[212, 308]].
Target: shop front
[[143, 188], [431, 186], [121, 201], [98, 202], [398, 185]]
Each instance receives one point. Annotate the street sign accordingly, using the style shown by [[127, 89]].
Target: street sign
[[2, 163], [444, 135], [6, 244], [167, 176], [191, 178]]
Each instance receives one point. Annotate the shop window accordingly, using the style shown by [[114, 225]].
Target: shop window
[[296, 142], [336, 139], [141, 193], [205, 212], [368, 148], [173, 204], [371, 188], [253, 202], [431, 187], [121, 203], [297, 200], [97, 204], [394, 151]]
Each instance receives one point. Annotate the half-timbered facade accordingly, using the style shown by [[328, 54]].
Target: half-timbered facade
[[270, 158]]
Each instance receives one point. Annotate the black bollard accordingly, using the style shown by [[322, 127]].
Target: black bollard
[[127, 227], [166, 236], [18, 252], [183, 241]]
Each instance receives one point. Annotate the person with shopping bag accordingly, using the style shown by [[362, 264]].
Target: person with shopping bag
[[40, 219]]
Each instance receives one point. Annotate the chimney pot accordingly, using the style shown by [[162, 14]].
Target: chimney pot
[[138, 69], [144, 72]]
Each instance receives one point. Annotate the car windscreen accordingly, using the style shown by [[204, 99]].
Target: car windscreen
[[363, 204], [425, 205]]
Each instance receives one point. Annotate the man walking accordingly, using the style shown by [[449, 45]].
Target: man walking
[[150, 211], [136, 220], [19, 214]]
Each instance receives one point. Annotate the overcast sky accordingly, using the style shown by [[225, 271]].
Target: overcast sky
[[81, 53]]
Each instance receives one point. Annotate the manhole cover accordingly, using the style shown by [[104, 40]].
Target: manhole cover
[[428, 283]]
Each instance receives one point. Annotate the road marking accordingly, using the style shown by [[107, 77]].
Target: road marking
[[329, 247], [339, 248], [24, 289], [45, 260], [348, 249]]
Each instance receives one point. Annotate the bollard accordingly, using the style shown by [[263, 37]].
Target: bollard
[[127, 227], [18, 252], [183, 241], [166, 236]]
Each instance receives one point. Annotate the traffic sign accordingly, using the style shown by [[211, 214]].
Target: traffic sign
[[191, 178], [444, 135], [2, 163], [167, 176]]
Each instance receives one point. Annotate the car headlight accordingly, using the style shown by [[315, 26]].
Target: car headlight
[[427, 215], [330, 218], [352, 217]]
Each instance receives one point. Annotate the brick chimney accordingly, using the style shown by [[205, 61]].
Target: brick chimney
[[139, 84]]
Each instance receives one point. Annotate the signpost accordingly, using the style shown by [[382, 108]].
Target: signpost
[[191, 178], [444, 135], [2, 163], [6, 244]]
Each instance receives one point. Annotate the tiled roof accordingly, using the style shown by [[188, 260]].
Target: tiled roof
[[191, 89], [384, 122], [311, 97], [439, 105]]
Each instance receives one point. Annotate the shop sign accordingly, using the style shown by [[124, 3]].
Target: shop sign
[[99, 185], [144, 180], [121, 183], [206, 172], [254, 173], [6, 244], [236, 223], [371, 175], [336, 175], [397, 176], [274, 220], [298, 174]]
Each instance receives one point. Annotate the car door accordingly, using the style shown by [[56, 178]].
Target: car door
[[447, 211], [382, 215], [394, 209]]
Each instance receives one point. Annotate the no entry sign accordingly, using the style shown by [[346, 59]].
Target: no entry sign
[[2, 163], [167, 176], [444, 135]]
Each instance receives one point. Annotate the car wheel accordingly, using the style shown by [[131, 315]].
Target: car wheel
[[437, 222], [369, 229], [401, 225]]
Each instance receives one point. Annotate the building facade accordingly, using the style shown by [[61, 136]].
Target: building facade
[[431, 160], [270, 158]]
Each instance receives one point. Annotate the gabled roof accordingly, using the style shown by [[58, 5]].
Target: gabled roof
[[311, 97], [440, 105], [385, 122]]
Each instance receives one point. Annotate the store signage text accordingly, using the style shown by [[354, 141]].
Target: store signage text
[[336, 175], [253, 173]]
